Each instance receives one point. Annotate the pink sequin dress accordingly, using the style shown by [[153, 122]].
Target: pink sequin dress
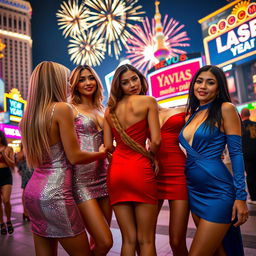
[[89, 180], [49, 198]]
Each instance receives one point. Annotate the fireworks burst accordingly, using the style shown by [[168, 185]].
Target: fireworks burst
[[111, 19], [86, 49], [72, 18], [141, 47]]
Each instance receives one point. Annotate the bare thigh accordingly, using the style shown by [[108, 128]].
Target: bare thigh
[[77, 245], [95, 221], [45, 246], [6, 191], [146, 218], [208, 237], [105, 208], [179, 213], [125, 216]]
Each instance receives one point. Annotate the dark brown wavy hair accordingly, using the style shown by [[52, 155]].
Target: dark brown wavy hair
[[116, 92], [214, 114]]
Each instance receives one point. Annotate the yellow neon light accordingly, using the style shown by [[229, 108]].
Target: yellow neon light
[[211, 37], [173, 98], [16, 35], [15, 118], [218, 11]]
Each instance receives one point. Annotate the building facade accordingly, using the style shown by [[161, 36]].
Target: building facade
[[15, 33]]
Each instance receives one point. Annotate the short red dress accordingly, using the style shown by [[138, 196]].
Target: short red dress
[[171, 180], [130, 174]]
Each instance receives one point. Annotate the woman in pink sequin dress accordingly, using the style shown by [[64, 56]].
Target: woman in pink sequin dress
[[51, 146], [89, 182]]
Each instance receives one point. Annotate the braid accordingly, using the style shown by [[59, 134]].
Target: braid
[[128, 140]]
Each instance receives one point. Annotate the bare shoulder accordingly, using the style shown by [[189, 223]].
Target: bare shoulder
[[146, 98], [228, 108], [63, 107], [62, 110]]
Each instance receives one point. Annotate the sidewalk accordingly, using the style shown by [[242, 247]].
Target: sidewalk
[[21, 241]]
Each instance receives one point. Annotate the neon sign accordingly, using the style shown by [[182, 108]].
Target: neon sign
[[174, 80], [232, 38], [14, 104], [11, 131]]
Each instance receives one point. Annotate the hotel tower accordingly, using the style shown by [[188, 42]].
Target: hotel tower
[[15, 33]]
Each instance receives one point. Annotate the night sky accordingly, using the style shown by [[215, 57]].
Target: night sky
[[49, 44]]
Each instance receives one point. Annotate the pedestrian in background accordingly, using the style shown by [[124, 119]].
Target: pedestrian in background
[[6, 163], [249, 151], [25, 173]]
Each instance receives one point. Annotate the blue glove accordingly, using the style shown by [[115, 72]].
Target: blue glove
[[234, 143]]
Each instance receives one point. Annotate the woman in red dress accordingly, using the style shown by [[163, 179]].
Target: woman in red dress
[[131, 179], [171, 180]]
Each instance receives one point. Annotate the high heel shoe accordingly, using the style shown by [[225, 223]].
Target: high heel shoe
[[25, 217], [3, 229], [9, 227]]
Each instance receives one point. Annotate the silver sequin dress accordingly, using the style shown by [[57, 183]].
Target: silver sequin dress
[[89, 179], [49, 198]]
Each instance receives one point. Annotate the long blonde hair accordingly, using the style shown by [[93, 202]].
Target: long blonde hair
[[116, 92], [48, 84], [75, 95]]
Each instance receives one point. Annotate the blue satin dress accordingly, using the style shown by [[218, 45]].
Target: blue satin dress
[[212, 189]]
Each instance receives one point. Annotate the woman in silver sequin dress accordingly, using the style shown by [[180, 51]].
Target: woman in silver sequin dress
[[89, 183], [51, 146]]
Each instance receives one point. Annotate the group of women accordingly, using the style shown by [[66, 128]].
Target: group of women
[[74, 188]]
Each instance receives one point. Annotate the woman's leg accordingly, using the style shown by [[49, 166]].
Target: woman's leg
[[125, 216], [45, 246], [105, 208], [160, 204], [97, 226], [1, 208], [208, 238], [6, 197], [179, 213], [25, 212], [146, 218], [76, 246]]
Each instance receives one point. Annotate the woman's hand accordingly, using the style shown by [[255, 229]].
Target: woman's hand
[[241, 211], [155, 167], [103, 149]]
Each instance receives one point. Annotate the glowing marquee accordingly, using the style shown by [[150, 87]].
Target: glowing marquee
[[11, 131], [234, 38], [14, 104], [172, 82]]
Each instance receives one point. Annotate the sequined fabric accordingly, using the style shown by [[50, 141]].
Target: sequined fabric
[[89, 179], [49, 199]]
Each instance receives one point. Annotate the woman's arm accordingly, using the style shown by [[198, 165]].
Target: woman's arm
[[65, 119], [8, 155], [108, 136], [232, 129], [154, 126]]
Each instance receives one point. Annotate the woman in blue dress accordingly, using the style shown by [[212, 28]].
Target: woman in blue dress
[[216, 196]]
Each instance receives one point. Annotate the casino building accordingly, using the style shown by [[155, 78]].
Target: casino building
[[15, 33]]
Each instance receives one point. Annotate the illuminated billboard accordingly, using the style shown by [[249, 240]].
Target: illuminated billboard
[[230, 33], [11, 131], [14, 105], [170, 85]]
